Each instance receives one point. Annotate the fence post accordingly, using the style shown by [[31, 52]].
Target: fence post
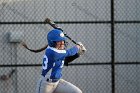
[[112, 47]]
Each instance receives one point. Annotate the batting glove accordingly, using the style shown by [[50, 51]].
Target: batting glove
[[82, 49]]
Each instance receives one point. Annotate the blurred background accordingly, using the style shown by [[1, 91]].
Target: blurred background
[[109, 29]]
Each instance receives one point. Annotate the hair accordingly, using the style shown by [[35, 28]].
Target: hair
[[40, 49], [34, 50]]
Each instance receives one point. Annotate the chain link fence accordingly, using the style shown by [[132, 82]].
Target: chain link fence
[[109, 30]]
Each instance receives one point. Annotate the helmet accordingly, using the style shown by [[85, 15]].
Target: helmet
[[54, 36]]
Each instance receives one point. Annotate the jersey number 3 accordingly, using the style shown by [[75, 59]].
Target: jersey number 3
[[45, 62]]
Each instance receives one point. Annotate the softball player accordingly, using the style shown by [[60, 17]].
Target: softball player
[[54, 59]]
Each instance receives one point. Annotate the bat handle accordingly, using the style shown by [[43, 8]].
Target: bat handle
[[70, 38], [59, 28]]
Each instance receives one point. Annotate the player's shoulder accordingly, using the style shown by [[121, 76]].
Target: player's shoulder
[[55, 53], [54, 50]]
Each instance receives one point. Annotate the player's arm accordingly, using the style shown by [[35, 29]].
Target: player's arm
[[70, 59], [71, 55], [72, 51], [81, 50]]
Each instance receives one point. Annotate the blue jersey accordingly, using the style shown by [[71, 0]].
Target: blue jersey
[[54, 60]]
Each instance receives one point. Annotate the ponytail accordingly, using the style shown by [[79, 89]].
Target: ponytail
[[34, 50]]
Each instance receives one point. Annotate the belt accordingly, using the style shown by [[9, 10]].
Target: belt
[[52, 80]]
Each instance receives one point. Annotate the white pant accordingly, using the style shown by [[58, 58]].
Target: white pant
[[60, 86]]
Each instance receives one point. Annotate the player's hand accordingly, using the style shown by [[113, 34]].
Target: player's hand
[[82, 48]]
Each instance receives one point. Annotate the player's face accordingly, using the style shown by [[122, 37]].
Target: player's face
[[60, 45]]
